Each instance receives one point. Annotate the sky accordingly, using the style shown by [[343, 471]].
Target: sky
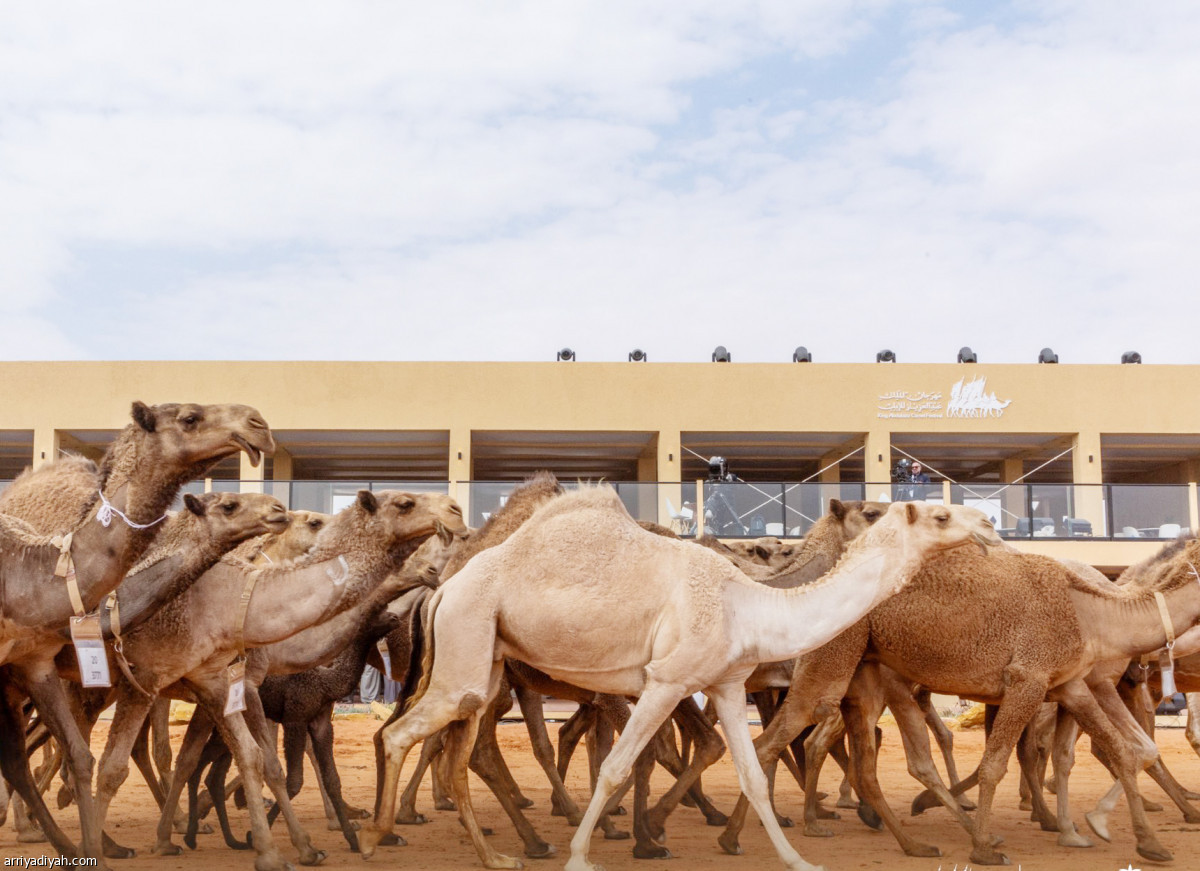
[[495, 181]]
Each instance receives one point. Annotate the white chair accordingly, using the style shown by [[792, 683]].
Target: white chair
[[1169, 530], [1130, 532], [775, 529], [681, 520]]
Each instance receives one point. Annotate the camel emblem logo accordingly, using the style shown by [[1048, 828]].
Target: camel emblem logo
[[969, 399]]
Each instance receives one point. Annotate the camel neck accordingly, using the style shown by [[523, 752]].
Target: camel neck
[[1128, 626], [789, 622], [816, 557]]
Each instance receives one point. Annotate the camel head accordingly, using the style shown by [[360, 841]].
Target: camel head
[[298, 538], [398, 518], [855, 517], [191, 437], [232, 518], [925, 529]]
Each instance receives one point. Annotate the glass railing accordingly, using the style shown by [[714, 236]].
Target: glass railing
[[788, 510]]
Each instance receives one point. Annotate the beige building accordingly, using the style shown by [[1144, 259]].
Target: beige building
[[1099, 462]]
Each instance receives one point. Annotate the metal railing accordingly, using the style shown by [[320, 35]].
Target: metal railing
[[788, 510]]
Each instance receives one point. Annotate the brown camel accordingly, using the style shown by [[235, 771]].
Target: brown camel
[[111, 514], [1046, 628], [645, 616], [196, 636]]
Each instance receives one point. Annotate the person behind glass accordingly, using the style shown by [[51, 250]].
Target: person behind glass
[[917, 480]]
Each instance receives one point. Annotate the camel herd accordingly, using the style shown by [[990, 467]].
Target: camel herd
[[265, 618]]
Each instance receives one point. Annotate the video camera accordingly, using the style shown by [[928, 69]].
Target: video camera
[[902, 471]]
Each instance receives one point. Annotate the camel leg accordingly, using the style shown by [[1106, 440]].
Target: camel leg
[[827, 735], [295, 737], [651, 710], [570, 734], [707, 748], [160, 740], [486, 762], [730, 702], [331, 814], [1027, 757], [42, 683], [219, 791], [216, 759], [407, 814], [1066, 734], [131, 712], [194, 741], [14, 765], [543, 752], [320, 731], [439, 782], [945, 741], [256, 722], [1077, 697]]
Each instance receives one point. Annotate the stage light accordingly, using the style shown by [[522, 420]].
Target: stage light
[[966, 355], [885, 356], [1047, 356], [801, 355], [566, 355], [722, 355]]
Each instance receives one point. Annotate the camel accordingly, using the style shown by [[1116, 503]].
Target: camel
[[196, 636], [1047, 629], [190, 542], [585, 595], [139, 477]]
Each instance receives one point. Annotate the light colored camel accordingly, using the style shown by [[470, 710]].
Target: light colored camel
[[583, 594], [195, 637], [1046, 630], [112, 513]]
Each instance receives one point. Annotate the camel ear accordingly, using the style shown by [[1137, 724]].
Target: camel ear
[[143, 416], [762, 552], [194, 505], [368, 501], [910, 510], [837, 509]]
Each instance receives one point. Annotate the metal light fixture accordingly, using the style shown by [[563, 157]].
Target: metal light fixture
[[801, 355], [966, 355], [1047, 356], [637, 355], [721, 355], [885, 356], [1131, 357], [566, 355]]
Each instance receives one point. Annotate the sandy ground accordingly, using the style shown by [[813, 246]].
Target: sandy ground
[[442, 844]]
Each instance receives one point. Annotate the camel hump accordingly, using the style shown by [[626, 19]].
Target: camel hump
[[586, 497]]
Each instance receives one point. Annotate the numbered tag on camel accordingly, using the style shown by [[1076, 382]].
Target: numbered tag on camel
[[89, 651], [236, 700], [1166, 664]]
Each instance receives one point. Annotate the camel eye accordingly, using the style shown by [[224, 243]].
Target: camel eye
[[229, 507], [405, 506], [314, 525]]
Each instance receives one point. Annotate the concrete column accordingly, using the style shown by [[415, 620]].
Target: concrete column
[[459, 468], [252, 477], [45, 445], [1012, 502], [1086, 469], [877, 463], [281, 465], [832, 475], [668, 472]]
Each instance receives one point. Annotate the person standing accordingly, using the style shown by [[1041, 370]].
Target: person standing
[[917, 478]]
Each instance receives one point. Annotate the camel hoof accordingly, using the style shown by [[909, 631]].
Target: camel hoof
[[391, 839], [618, 811], [504, 862], [826, 814], [31, 836], [729, 844], [848, 803], [921, 803], [1155, 853], [356, 813], [1073, 839], [927, 851], [411, 819], [1047, 825], [1098, 823], [523, 802], [1191, 817], [313, 857], [867, 814], [1151, 806], [544, 851], [444, 805], [989, 857], [1025, 805], [616, 835], [116, 851], [966, 804], [816, 830], [651, 851], [784, 822], [716, 818], [167, 849]]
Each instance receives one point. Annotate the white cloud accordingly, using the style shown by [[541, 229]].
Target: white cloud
[[457, 182]]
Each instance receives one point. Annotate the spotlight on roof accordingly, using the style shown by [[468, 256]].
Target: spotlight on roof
[[637, 355], [721, 355], [1131, 357], [801, 355], [566, 355], [1047, 356], [966, 355], [885, 356]]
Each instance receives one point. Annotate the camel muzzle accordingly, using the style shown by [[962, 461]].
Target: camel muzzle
[[986, 541]]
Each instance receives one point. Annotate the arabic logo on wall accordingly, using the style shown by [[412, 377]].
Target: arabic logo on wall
[[968, 399]]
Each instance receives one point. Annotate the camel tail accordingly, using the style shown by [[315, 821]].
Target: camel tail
[[420, 664]]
